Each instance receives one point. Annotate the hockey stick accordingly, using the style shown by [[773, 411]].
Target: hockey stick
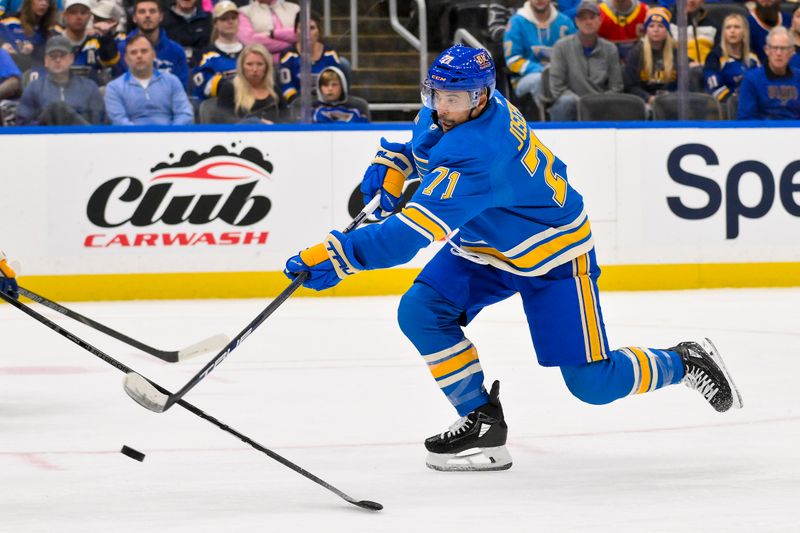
[[175, 356], [150, 397], [364, 504]]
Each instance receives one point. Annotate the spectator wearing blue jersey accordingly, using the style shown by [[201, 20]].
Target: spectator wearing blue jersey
[[528, 43], [762, 17], [322, 57], [726, 64], [59, 98], [25, 34], [189, 26], [218, 61], [170, 56], [95, 46], [144, 94], [772, 92], [9, 7], [334, 103], [583, 63], [10, 77]]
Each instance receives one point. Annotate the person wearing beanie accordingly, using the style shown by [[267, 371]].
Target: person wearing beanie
[[650, 65]]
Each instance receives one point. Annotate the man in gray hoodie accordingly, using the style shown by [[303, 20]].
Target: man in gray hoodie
[[59, 98], [582, 63]]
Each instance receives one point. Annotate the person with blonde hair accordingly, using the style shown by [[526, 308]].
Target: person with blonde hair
[[650, 65], [250, 95], [726, 63]]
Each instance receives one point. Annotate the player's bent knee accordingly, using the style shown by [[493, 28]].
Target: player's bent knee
[[414, 313], [590, 382]]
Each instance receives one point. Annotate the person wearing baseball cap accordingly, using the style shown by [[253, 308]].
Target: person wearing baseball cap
[[60, 98], [582, 63], [218, 60]]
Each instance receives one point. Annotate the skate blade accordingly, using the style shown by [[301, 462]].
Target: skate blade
[[472, 460], [714, 353]]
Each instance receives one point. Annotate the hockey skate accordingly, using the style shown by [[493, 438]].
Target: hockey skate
[[705, 372], [474, 442]]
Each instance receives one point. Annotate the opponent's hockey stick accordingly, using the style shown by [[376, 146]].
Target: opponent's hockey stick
[[146, 394], [364, 504], [175, 356]]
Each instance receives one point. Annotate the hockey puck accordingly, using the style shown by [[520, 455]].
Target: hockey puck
[[133, 454]]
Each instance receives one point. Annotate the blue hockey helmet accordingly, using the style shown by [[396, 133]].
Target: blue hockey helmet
[[460, 68]]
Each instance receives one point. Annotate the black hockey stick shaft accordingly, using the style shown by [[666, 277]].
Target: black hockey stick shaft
[[138, 389], [364, 504], [164, 355]]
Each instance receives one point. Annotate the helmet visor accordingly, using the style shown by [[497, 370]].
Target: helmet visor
[[452, 101]]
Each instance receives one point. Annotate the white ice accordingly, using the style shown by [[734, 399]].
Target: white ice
[[332, 385]]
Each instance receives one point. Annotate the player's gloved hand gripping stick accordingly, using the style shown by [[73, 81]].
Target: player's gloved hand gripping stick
[[149, 396]]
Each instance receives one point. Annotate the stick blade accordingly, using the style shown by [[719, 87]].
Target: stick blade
[[210, 344], [144, 393]]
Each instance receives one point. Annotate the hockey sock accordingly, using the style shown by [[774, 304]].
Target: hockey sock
[[627, 371], [432, 324]]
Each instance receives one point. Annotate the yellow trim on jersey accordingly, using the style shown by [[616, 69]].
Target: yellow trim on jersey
[[517, 65], [213, 85], [541, 252], [425, 222], [289, 93]]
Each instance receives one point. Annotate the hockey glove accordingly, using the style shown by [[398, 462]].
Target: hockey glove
[[8, 278], [388, 172], [327, 263]]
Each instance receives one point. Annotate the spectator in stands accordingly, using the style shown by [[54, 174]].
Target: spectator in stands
[[251, 95], [762, 17], [170, 57], [94, 47], [9, 7], [726, 64], [270, 23], [59, 98], [701, 32], [189, 26], [10, 77], [772, 92], [218, 61], [582, 63], [322, 57], [650, 66], [24, 34], [334, 104], [528, 43], [622, 23], [794, 32], [144, 94]]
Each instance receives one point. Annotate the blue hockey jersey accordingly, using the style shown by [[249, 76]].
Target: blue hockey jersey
[[723, 74], [289, 72], [492, 179], [215, 64]]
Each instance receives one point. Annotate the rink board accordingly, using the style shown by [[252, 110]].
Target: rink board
[[112, 213]]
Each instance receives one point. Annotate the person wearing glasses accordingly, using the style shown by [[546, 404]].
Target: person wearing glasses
[[772, 92]]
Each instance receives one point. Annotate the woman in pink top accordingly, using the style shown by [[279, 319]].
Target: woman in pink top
[[270, 23]]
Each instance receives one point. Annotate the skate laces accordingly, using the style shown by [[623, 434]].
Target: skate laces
[[457, 427], [700, 381]]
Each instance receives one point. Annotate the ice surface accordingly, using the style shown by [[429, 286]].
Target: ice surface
[[333, 386]]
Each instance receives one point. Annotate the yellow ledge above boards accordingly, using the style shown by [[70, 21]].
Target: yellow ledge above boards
[[179, 286]]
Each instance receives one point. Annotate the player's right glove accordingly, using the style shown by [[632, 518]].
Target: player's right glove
[[8, 278], [388, 172]]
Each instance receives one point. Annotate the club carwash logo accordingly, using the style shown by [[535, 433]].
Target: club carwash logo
[[178, 199]]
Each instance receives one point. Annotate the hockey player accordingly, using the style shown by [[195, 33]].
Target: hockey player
[[513, 223], [8, 278]]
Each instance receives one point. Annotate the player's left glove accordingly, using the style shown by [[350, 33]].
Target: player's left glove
[[327, 263], [388, 172], [8, 278]]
